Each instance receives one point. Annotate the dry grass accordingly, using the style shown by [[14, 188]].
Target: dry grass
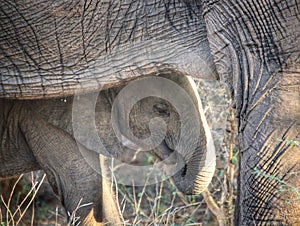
[[23, 207]]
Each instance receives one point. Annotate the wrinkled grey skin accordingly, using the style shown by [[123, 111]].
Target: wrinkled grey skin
[[252, 46], [39, 134]]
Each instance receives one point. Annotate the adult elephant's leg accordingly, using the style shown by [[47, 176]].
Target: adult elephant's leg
[[256, 49], [76, 183], [269, 178]]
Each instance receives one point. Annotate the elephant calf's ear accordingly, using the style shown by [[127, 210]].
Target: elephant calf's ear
[[207, 170]]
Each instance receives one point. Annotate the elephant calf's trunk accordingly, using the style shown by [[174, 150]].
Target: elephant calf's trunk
[[196, 174], [198, 170]]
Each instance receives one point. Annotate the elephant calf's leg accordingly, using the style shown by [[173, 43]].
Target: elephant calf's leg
[[77, 184], [15, 155], [109, 208]]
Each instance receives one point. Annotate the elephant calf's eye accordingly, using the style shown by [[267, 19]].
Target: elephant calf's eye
[[161, 109]]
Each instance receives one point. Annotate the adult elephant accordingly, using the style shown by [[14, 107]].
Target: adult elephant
[[47, 48]]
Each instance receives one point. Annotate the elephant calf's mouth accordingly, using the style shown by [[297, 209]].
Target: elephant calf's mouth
[[171, 157], [172, 161]]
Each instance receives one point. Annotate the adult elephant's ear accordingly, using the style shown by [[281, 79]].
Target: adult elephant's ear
[[196, 151]]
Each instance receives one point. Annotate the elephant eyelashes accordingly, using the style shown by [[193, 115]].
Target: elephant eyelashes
[[161, 109]]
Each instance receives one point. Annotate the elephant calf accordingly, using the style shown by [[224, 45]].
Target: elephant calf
[[64, 137]]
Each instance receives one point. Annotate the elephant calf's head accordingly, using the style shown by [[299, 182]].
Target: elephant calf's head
[[163, 115]]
